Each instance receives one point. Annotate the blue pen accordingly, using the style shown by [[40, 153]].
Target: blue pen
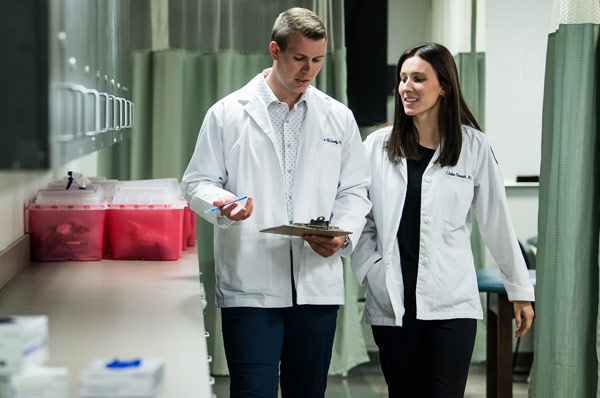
[[226, 204]]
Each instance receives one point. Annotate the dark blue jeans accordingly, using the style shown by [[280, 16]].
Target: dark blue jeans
[[256, 340]]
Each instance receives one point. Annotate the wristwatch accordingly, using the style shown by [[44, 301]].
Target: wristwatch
[[345, 244]]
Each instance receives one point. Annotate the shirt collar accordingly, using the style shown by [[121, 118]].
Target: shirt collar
[[268, 97]]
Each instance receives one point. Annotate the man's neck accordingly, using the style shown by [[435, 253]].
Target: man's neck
[[289, 99]]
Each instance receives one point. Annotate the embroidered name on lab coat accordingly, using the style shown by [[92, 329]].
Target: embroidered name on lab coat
[[463, 176], [332, 141]]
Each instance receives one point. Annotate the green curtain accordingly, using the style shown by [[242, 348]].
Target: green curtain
[[566, 340], [172, 90], [471, 73]]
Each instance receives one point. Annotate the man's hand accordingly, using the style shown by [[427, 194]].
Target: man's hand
[[237, 211], [523, 317], [325, 246]]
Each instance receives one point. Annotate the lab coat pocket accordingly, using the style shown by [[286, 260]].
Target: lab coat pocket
[[457, 289], [246, 258], [378, 298], [456, 196], [320, 269]]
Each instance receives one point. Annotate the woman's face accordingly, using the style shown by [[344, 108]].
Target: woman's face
[[419, 88]]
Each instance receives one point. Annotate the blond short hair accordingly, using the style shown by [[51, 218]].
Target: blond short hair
[[297, 19]]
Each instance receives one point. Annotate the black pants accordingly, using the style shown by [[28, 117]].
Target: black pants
[[426, 358], [257, 339]]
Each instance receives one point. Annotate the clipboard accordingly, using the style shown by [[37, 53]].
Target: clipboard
[[297, 230], [315, 227]]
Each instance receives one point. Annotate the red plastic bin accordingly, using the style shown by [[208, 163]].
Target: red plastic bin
[[191, 238], [66, 232], [145, 232], [185, 224]]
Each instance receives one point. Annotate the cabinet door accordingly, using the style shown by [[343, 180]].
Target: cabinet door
[[63, 89], [24, 84]]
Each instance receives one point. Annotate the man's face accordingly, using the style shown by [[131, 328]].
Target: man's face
[[297, 66]]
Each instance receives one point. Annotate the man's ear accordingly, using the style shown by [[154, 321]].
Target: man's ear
[[274, 50]]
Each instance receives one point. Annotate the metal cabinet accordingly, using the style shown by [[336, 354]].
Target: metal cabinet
[[64, 74]]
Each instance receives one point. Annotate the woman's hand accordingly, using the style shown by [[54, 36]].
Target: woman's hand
[[523, 317]]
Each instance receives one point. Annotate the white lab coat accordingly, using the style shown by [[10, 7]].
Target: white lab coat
[[236, 153], [446, 281]]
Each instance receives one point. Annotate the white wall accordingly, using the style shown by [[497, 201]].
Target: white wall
[[517, 35], [409, 23], [17, 188]]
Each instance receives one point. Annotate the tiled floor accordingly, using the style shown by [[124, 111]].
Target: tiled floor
[[366, 381]]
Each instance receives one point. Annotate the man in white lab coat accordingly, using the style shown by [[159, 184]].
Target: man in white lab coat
[[297, 154]]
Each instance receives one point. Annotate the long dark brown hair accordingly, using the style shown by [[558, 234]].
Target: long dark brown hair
[[454, 112]]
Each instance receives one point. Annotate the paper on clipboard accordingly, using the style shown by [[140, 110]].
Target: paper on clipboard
[[299, 230]]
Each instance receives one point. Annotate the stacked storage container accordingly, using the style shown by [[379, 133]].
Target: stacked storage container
[[122, 220], [145, 221], [67, 225], [189, 217], [108, 191]]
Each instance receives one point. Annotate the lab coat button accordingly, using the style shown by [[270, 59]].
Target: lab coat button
[[427, 179]]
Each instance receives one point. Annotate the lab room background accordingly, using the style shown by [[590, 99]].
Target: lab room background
[[529, 71]]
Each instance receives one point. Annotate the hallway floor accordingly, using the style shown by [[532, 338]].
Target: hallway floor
[[366, 381]]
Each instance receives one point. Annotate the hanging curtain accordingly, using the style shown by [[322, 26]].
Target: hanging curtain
[[566, 341], [459, 25], [187, 55]]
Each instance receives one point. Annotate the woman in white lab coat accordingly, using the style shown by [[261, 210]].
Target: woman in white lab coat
[[430, 171]]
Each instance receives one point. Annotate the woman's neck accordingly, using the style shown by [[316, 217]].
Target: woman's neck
[[427, 130]]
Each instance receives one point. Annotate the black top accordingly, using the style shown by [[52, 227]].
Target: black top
[[409, 232]]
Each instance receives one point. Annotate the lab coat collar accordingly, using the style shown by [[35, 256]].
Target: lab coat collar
[[402, 167], [316, 114], [254, 105], [252, 102], [434, 158], [396, 191]]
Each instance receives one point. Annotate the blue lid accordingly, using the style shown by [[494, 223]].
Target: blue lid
[[117, 364]]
